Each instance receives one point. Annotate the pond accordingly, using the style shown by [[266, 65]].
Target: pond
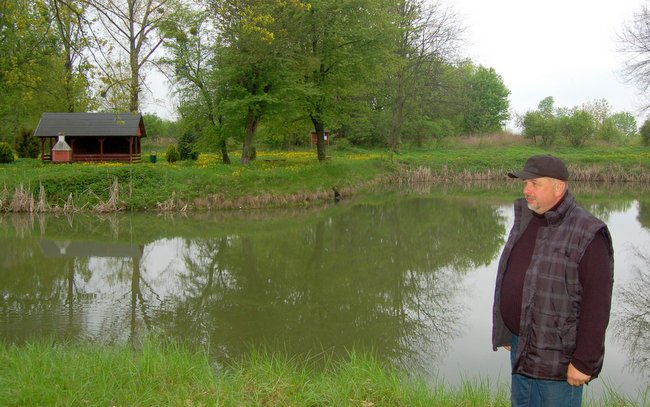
[[408, 274]]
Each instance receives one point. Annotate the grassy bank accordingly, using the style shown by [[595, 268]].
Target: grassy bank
[[164, 374], [287, 178]]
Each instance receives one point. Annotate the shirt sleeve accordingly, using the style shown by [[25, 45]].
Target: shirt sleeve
[[595, 273]]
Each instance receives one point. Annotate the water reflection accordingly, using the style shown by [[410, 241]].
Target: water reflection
[[644, 214], [407, 275], [632, 316], [382, 275]]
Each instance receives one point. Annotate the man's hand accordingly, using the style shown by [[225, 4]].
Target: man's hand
[[575, 377]]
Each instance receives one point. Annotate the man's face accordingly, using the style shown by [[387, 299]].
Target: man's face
[[543, 193]]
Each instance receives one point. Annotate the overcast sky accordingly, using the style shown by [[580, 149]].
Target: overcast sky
[[560, 48]]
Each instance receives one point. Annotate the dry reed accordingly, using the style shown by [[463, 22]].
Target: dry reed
[[172, 204], [113, 203], [4, 198], [41, 204], [23, 200]]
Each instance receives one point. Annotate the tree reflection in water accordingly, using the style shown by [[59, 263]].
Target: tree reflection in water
[[384, 277], [632, 316]]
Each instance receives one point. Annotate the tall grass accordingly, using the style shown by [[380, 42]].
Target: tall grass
[[162, 373]]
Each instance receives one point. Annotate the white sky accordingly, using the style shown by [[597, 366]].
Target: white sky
[[560, 48]]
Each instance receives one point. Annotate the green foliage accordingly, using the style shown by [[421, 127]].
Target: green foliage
[[610, 132], [645, 133], [187, 146], [34, 74], [27, 145], [172, 155], [626, 123], [546, 106], [6, 153], [537, 124], [578, 127], [487, 106], [157, 127], [599, 109]]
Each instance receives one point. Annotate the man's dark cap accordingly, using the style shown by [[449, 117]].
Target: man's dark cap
[[539, 166]]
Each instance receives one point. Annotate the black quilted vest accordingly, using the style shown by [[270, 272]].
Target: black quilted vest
[[552, 290]]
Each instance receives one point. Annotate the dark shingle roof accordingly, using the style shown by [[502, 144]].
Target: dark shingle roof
[[89, 124]]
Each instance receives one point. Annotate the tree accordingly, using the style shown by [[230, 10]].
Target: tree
[[626, 123], [191, 41], [546, 106], [608, 131], [131, 38], [578, 127], [634, 44], [253, 57], [340, 50], [32, 67], [537, 124], [428, 36], [599, 110], [645, 133], [487, 107], [69, 18]]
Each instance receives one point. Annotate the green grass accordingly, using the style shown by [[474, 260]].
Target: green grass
[[166, 374], [157, 373], [296, 178]]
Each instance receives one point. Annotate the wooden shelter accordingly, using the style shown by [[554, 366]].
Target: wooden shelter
[[92, 136]]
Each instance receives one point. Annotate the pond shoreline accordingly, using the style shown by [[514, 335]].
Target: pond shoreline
[[297, 181]]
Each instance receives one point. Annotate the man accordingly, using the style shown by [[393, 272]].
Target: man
[[553, 290]]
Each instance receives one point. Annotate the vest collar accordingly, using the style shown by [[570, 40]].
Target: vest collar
[[556, 214]]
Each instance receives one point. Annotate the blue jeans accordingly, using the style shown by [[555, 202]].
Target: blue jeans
[[529, 392]]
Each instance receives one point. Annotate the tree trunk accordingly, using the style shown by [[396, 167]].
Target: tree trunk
[[222, 140], [224, 152], [251, 127], [319, 127], [134, 88], [397, 117]]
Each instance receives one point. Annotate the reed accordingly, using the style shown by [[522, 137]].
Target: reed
[[41, 204], [4, 198], [113, 203], [22, 201]]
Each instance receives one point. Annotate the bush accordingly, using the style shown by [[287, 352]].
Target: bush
[[172, 154], [27, 145], [539, 125], [645, 133], [610, 132], [187, 146], [6, 153], [579, 127]]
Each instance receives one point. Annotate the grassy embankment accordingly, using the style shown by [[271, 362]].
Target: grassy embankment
[[159, 374], [289, 178]]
